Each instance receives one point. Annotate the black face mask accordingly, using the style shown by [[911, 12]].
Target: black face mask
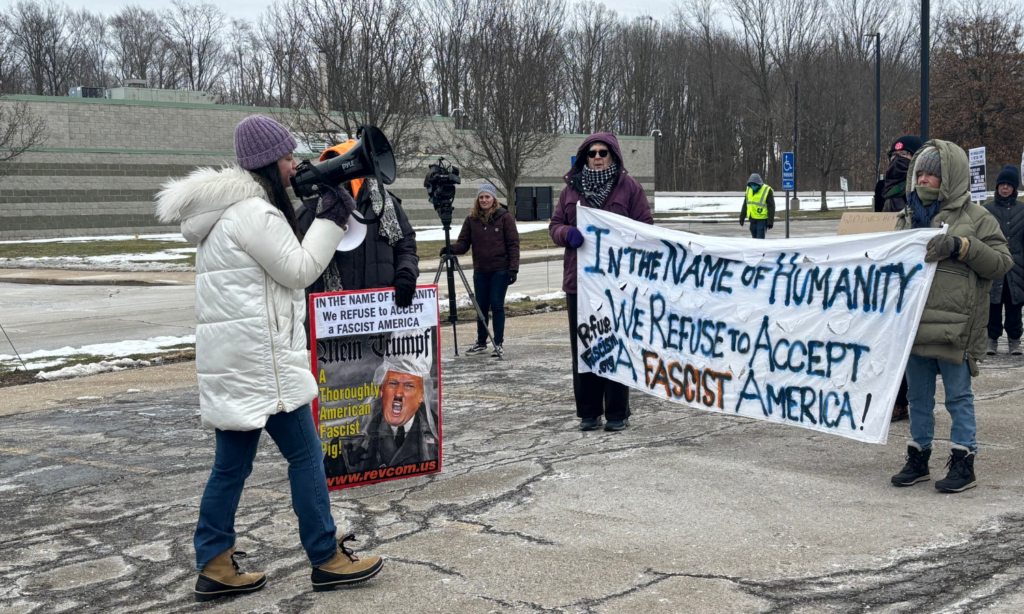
[[896, 175]]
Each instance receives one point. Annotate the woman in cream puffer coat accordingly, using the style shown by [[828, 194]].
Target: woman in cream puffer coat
[[252, 268]]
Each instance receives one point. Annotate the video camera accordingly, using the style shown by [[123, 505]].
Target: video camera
[[440, 182]]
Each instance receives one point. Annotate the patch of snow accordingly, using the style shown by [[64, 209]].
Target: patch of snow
[[731, 202], [117, 349], [110, 261], [175, 236], [44, 364], [80, 264], [462, 300], [436, 233], [93, 368]]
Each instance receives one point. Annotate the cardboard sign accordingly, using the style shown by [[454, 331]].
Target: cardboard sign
[[813, 332], [378, 366], [854, 223]]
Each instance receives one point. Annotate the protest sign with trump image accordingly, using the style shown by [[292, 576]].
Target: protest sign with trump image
[[378, 411]]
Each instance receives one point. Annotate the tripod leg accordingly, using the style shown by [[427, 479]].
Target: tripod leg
[[440, 268]]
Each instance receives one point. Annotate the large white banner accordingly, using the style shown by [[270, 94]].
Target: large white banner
[[807, 332]]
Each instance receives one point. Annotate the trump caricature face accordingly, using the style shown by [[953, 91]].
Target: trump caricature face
[[402, 394]]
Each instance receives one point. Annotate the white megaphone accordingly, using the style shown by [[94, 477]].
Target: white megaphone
[[355, 234]]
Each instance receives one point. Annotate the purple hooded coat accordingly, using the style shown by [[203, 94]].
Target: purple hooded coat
[[627, 198]]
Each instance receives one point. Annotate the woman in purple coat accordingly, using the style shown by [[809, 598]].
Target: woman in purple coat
[[597, 179]]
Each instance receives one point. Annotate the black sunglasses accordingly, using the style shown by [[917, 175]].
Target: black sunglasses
[[593, 153]]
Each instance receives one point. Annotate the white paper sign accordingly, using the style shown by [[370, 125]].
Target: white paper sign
[[372, 312], [979, 186], [806, 332]]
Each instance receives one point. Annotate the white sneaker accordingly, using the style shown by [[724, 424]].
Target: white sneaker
[[477, 349], [498, 352]]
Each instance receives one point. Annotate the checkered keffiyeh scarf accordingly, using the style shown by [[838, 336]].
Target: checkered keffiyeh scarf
[[597, 185]]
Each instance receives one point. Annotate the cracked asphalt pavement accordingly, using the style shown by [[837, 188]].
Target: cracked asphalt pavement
[[685, 511]]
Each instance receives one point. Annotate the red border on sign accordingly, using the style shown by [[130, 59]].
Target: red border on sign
[[316, 401]]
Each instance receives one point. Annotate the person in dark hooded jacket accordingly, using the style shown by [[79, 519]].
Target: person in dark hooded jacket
[[1008, 291], [891, 189], [598, 178]]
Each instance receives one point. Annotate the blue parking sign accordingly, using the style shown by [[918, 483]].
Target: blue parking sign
[[788, 171]]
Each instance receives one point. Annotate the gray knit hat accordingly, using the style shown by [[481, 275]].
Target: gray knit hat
[[488, 189], [260, 140], [929, 161]]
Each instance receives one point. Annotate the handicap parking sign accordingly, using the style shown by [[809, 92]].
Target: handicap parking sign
[[788, 171]]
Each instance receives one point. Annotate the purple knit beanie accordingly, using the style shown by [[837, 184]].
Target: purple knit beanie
[[260, 140]]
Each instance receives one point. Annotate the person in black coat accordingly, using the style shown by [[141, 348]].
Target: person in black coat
[[387, 258], [1008, 292], [890, 191], [890, 196]]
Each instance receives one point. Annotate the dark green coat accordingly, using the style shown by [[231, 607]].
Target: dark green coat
[[953, 323]]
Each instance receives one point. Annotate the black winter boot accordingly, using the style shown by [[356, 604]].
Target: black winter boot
[[916, 469], [961, 471]]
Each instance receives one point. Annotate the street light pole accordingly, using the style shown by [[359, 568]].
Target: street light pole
[[878, 99], [925, 28]]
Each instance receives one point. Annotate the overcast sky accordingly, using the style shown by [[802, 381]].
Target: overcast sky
[[248, 9]]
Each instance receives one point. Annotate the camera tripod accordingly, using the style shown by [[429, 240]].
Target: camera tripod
[[450, 264]]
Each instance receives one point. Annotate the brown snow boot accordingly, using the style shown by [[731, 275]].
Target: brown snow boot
[[345, 569], [221, 578]]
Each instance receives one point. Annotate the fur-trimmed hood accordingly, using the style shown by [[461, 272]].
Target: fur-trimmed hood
[[199, 200]]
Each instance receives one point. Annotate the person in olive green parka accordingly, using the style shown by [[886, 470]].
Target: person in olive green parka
[[951, 338]]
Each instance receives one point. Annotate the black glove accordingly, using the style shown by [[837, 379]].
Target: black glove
[[770, 224], [941, 247], [512, 277], [336, 205], [444, 252], [741, 221], [405, 288]]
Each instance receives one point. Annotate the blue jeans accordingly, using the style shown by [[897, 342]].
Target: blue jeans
[[296, 437], [490, 288], [956, 379], [758, 228]]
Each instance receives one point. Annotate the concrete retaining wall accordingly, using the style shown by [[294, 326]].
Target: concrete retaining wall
[[104, 160]]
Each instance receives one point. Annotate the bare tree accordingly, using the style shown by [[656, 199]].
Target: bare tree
[[447, 56], [366, 69], [588, 67], [194, 39], [135, 35], [94, 60], [979, 77], [638, 62], [50, 49], [20, 131], [280, 29], [512, 68]]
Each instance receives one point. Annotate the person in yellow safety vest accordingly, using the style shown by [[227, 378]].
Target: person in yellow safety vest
[[759, 206]]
